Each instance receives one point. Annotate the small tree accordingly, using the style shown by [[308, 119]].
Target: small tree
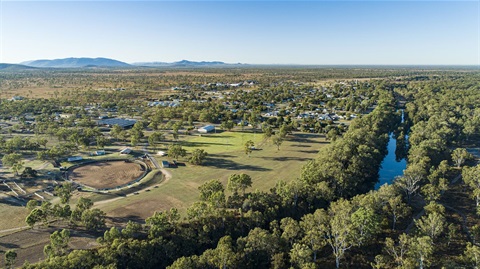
[[116, 131], [249, 145], [213, 192], [10, 257], [227, 125], [36, 215], [13, 160], [83, 204], [398, 252], [459, 156], [64, 192], [28, 172], [58, 244], [239, 182], [175, 134], [198, 155], [471, 256], [471, 177], [155, 138], [176, 151], [267, 131], [101, 141], [397, 208], [32, 204], [410, 181], [94, 219], [277, 140], [432, 224], [421, 250]]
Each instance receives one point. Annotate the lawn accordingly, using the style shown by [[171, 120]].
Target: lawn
[[222, 142], [266, 166]]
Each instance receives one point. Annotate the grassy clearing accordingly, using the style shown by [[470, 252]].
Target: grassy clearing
[[266, 166], [13, 216], [221, 142]]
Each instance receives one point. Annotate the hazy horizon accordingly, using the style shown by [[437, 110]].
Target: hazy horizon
[[250, 32]]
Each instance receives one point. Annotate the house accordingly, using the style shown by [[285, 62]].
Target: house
[[125, 151], [65, 115], [165, 164], [16, 98], [206, 129], [74, 158]]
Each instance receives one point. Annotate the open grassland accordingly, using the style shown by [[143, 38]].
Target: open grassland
[[222, 142], [12, 215], [266, 166]]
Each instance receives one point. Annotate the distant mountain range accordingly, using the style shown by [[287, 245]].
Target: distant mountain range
[[111, 63], [14, 67], [182, 63], [76, 63]]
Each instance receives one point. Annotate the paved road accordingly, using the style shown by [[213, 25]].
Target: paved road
[[154, 161]]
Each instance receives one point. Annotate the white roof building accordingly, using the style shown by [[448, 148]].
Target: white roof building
[[206, 129]]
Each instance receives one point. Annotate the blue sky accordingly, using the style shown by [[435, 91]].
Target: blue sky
[[267, 32]]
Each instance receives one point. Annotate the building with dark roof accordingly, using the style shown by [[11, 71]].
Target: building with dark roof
[[124, 123]]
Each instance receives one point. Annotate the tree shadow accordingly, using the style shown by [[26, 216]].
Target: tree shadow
[[308, 151], [4, 188], [222, 155], [125, 219], [231, 165], [12, 201], [9, 245], [283, 159], [202, 144], [307, 138], [301, 146]]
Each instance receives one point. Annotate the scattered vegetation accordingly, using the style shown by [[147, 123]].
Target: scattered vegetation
[[328, 216]]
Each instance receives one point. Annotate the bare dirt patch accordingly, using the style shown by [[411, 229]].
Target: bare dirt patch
[[103, 175], [29, 243]]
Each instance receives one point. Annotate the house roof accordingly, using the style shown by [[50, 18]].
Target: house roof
[[117, 121], [208, 127]]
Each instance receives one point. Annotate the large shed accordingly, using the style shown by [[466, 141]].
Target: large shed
[[206, 129], [125, 151], [124, 123]]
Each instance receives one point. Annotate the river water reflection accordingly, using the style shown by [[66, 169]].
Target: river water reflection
[[390, 166]]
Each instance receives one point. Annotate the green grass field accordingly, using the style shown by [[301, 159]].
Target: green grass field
[[222, 142], [266, 166]]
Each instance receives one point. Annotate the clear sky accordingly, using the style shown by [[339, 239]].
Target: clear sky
[[266, 32]]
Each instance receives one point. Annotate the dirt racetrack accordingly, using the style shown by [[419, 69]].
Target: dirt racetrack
[[103, 175]]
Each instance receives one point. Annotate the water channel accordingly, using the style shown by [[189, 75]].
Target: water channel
[[391, 167]]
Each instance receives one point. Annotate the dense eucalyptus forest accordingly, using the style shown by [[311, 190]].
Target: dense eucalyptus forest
[[330, 215]]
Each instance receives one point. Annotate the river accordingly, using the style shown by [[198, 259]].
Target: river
[[391, 168]]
